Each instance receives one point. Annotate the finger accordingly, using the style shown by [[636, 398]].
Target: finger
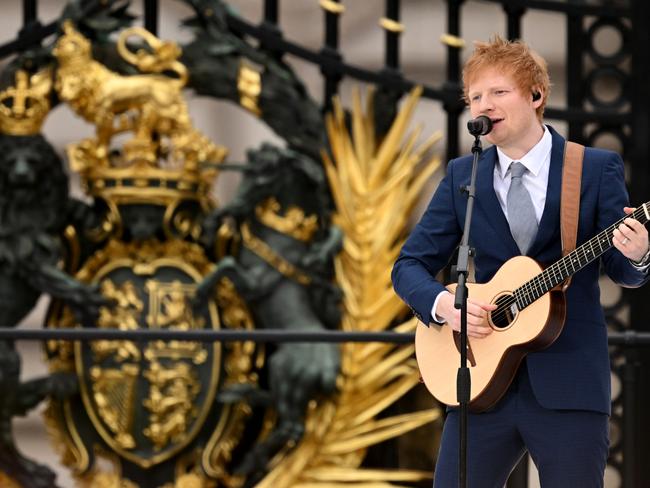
[[479, 309], [634, 225], [472, 322], [479, 328], [477, 321], [487, 306], [475, 310], [629, 210], [619, 237], [479, 332]]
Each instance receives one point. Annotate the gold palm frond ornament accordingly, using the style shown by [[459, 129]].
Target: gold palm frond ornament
[[375, 188]]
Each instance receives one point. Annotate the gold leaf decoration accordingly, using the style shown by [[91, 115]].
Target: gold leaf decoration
[[375, 188]]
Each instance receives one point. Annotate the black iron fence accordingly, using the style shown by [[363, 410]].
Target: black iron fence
[[588, 115], [632, 342]]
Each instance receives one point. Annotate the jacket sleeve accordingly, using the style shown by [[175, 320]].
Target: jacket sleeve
[[428, 249], [611, 200]]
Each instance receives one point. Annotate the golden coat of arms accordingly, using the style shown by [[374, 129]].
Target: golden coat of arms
[[172, 413]]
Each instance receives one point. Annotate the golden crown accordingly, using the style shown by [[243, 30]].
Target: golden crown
[[23, 107], [127, 178]]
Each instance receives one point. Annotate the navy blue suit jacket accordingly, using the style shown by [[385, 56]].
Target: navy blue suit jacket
[[574, 372]]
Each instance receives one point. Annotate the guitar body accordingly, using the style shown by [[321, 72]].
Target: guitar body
[[492, 360]]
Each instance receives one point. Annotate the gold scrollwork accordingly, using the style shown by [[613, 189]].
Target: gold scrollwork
[[240, 369], [293, 223], [74, 249], [180, 223], [111, 225]]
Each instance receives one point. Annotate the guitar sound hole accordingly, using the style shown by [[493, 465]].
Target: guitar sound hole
[[503, 316]]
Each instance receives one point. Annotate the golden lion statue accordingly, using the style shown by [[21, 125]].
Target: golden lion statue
[[144, 104]]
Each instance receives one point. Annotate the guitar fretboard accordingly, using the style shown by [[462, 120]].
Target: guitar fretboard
[[574, 261]]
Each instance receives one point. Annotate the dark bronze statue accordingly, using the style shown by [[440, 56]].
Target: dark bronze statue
[[34, 208], [284, 271]]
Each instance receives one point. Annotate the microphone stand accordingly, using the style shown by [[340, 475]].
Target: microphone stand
[[463, 379]]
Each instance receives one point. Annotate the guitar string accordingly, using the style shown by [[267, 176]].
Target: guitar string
[[529, 292]]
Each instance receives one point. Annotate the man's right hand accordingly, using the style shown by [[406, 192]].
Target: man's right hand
[[477, 325]]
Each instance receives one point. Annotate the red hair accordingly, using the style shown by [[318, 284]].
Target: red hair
[[527, 68]]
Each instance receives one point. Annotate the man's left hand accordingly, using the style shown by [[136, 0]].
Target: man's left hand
[[631, 238]]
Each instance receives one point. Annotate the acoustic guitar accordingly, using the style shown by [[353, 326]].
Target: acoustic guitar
[[529, 316]]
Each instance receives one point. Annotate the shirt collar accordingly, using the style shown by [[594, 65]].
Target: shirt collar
[[533, 159]]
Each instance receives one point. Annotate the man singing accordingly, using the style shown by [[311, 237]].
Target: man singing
[[558, 404]]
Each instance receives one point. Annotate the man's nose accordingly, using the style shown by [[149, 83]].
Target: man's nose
[[485, 104]]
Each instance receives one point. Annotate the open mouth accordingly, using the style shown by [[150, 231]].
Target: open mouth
[[495, 121]]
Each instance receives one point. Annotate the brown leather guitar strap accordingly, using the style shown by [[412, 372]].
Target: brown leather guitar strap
[[570, 198]]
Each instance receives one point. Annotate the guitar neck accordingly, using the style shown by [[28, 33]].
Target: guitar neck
[[574, 261]]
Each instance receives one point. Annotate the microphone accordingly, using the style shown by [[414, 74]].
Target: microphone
[[479, 126]]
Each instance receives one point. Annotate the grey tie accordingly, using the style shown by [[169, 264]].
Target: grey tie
[[521, 212]]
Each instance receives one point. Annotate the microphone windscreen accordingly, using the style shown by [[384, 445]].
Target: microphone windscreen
[[479, 126]]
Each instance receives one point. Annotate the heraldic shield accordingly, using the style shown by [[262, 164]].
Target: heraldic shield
[[150, 402]]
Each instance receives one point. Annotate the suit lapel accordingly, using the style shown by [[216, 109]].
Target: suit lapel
[[548, 225], [487, 199]]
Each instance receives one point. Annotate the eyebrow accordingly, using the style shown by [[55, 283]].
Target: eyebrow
[[498, 87]]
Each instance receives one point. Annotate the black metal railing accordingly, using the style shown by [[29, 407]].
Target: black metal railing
[[630, 340]]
